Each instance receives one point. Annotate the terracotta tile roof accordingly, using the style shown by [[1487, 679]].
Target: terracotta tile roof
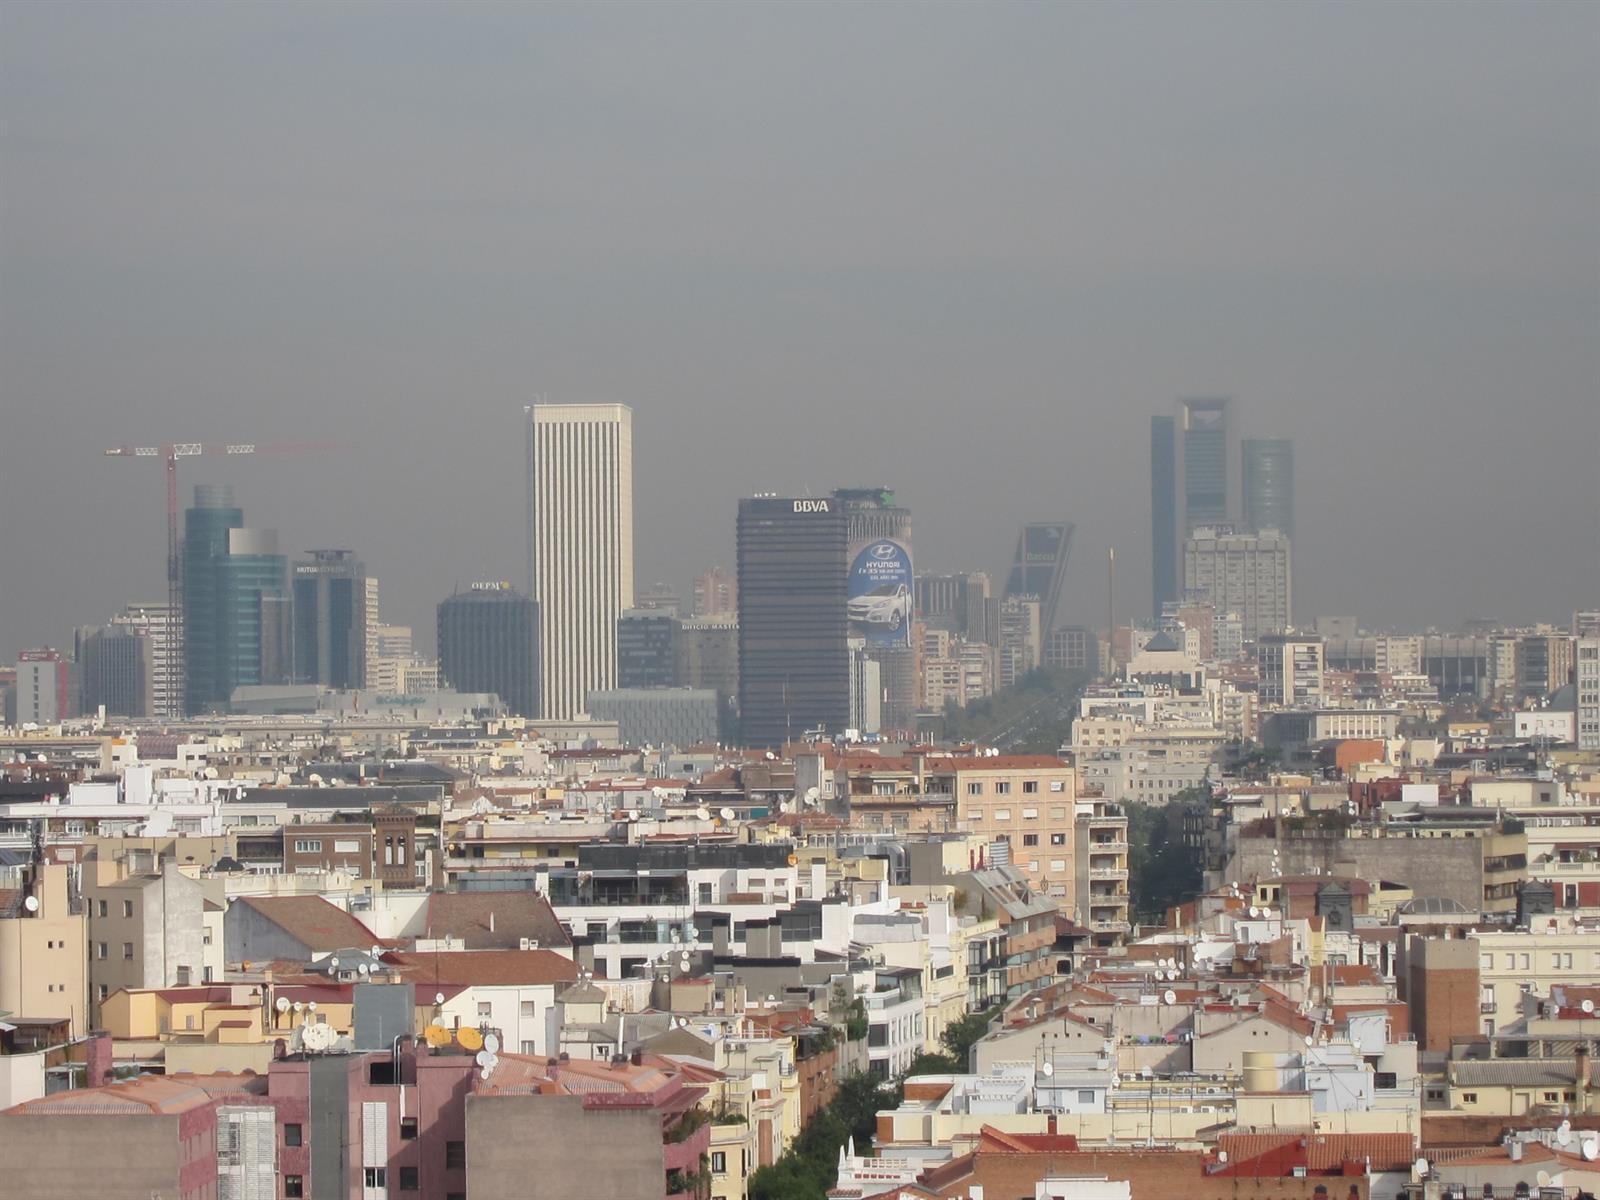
[[1315, 1151], [160, 1094], [312, 921], [484, 968], [1356, 973], [517, 915]]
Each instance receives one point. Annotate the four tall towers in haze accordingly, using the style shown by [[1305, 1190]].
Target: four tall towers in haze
[[1192, 473]]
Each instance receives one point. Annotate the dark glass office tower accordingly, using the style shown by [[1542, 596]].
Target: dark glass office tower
[[1205, 463], [1038, 566], [489, 642], [794, 667], [1269, 485], [1163, 512], [647, 648], [330, 620], [235, 603]]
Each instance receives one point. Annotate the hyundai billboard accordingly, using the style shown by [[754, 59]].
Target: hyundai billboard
[[879, 596]]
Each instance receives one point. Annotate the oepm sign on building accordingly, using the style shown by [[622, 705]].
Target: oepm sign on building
[[879, 601]]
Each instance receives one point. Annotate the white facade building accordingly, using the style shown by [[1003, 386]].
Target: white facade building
[[580, 546]]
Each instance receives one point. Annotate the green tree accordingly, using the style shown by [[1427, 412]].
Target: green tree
[[1161, 870]]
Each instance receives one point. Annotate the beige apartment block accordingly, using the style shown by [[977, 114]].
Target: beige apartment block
[[42, 959]]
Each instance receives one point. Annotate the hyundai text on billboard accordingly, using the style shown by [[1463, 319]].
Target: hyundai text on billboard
[[879, 603]]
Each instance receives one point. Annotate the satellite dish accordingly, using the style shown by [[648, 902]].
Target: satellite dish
[[364, 969], [436, 1036], [469, 1038], [1169, 997], [1421, 1167], [633, 814], [491, 1043], [691, 933], [311, 1006], [1222, 1157], [1591, 1149], [685, 962], [1588, 1007], [1564, 1133], [31, 903], [282, 1005], [726, 814], [298, 1006], [484, 1073], [1254, 911], [438, 997], [1048, 1069], [1542, 1179], [377, 952], [483, 1058], [334, 963], [1309, 1040]]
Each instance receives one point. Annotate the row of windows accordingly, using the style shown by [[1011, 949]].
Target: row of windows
[[1560, 960], [1028, 814], [127, 908], [1002, 787]]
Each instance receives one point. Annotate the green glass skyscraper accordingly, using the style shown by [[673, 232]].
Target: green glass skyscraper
[[235, 603]]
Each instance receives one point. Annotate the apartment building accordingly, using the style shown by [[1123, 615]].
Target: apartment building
[[1026, 801], [42, 952], [147, 925], [1102, 871]]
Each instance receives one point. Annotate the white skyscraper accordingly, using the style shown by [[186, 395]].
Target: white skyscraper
[[580, 546]]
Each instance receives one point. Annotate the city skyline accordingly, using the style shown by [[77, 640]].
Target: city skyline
[[262, 268]]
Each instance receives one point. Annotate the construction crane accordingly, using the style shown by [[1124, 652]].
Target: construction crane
[[171, 452]]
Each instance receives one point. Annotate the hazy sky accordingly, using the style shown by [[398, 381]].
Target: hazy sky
[[962, 250]]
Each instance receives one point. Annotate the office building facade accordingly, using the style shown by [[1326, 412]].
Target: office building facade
[[44, 687], [330, 620], [716, 594], [1290, 670], [1244, 573], [647, 649], [1039, 565], [162, 628], [1164, 520], [580, 546], [489, 642], [1206, 456], [1268, 485], [116, 665], [1586, 684], [236, 603], [794, 669], [953, 602]]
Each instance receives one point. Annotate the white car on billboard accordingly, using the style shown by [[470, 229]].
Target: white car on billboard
[[888, 605]]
